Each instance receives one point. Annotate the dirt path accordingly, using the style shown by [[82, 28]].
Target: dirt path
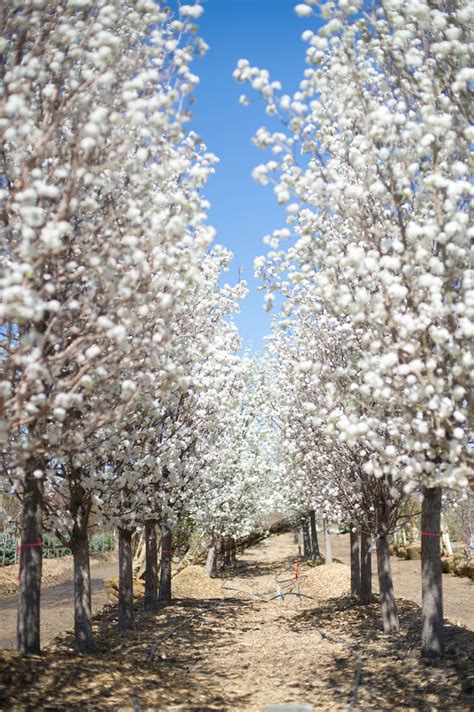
[[458, 592], [244, 651], [57, 614]]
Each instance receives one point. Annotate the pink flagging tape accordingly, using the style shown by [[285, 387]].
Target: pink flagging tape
[[25, 546], [430, 533]]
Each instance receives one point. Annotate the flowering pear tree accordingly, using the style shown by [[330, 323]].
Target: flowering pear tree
[[98, 188], [372, 164], [234, 496]]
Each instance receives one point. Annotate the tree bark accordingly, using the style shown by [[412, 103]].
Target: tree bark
[[150, 601], [82, 589], [315, 552], [355, 562], [365, 569], [210, 567], [432, 634], [306, 540], [387, 597], [165, 568], [28, 622], [125, 580], [328, 544]]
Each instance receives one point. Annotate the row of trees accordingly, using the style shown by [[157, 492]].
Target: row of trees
[[122, 391], [370, 358]]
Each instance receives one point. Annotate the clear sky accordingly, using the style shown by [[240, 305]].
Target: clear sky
[[268, 34]]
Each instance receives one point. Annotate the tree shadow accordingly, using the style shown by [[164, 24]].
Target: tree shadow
[[120, 674], [394, 675]]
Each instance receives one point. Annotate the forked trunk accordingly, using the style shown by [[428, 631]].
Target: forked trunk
[[365, 569], [432, 632], [165, 568], [315, 553], [387, 596], [125, 580], [355, 561], [150, 601], [210, 567], [328, 544], [30, 554], [82, 590]]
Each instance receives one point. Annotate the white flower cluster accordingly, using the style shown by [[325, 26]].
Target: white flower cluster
[[377, 326], [118, 347]]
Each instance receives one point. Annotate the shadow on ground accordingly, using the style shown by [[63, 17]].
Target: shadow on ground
[[394, 676], [118, 676]]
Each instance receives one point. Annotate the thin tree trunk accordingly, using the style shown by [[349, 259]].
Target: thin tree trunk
[[445, 536], [365, 569], [210, 567], [306, 540], [165, 568], [233, 552], [328, 544], [300, 542], [316, 554], [432, 635], [125, 580], [220, 553], [28, 622], [226, 552], [387, 596], [355, 561], [150, 601], [82, 589]]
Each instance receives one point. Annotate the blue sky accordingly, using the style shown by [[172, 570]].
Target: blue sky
[[268, 34]]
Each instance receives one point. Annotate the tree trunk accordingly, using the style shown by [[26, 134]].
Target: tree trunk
[[355, 562], [387, 596], [28, 622], [432, 634], [306, 540], [365, 569], [165, 569], [210, 567], [82, 589], [328, 545], [125, 580], [445, 536], [233, 552], [150, 601], [315, 553], [220, 553], [226, 552]]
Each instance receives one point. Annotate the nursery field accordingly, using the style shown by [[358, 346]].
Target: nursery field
[[231, 644]]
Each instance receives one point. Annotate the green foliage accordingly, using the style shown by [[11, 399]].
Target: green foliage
[[183, 536], [52, 547]]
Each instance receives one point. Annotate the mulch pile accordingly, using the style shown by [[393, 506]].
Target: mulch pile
[[192, 582], [327, 581], [55, 571]]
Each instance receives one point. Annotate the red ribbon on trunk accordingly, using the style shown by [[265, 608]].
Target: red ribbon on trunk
[[430, 533]]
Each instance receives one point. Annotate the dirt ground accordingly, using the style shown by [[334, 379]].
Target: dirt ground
[[248, 649], [57, 613], [458, 592]]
